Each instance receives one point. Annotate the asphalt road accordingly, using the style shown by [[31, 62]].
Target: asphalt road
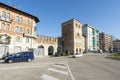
[[87, 67], [95, 67]]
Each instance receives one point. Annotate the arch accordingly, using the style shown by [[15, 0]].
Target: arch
[[8, 16], [40, 51], [50, 50], [3, 26], [21, 20], [17, 18], [59, 49], [8, 27], [76, 50], [80, 50], [41, 46], [4, 14], [28, 31]]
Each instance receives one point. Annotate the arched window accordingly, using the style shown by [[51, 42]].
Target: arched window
[[3, 26], [27, 31], [4, 14], [16, 28], [8, 27], [80, 50], [17, 18], [78, 34], [21, 19], [8, 16], [20, 29], [28, 22], [76, 50]]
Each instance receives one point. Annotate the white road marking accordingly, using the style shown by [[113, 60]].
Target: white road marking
[[58, 71], [70, 71], [60, 66], [22, 67], [47, 77]]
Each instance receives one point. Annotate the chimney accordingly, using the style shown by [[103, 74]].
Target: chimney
[[14, 6]]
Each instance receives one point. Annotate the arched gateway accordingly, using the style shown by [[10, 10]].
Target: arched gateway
[[50, 50]]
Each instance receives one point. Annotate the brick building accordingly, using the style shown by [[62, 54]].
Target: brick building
[[106, 42], [72, 38], [116, 45]]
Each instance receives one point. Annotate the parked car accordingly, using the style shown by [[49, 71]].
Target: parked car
[[6, 55], [77, 55], [57, 54], [18, 57]]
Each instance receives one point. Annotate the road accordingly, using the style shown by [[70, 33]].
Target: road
[[87, 67], [95, 67]]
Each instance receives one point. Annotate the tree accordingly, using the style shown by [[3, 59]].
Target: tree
[[7, 41]]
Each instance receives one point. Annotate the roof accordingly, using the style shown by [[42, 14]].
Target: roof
[[105, 34], [87, 25], [71, 20], [116, 41], [36, 18]]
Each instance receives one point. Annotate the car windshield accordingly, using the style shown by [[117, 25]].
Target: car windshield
[[17, 55]]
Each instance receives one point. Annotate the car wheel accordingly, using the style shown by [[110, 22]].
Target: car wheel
[[29, 60], [10, 61]]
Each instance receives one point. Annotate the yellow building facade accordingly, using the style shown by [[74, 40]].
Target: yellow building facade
[[20, 26]]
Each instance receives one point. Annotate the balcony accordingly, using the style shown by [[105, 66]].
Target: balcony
[[5, 19]]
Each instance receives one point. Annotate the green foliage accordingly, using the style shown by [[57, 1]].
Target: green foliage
[[8, 39], [114, 56], [65, 54]]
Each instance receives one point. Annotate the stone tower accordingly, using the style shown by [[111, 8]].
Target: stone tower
[[72, 39]]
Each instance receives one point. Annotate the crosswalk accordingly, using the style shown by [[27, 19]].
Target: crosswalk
[[58, 71], [48, 77]]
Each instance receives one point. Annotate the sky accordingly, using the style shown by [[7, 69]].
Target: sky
[[104, 15]]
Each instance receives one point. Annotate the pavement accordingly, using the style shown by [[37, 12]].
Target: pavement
[[87, 67]]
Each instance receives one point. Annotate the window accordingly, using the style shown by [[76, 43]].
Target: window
[[20, 29], [3, 26], [8, 27], [27, 40], [16, 28], [28, 22], [8, 16], [21, 20], [17, 19], [76, 24], [78, 34], [4, 14], [27, 31], [35, 28], [80, 50], [17, 39], [76, 50]]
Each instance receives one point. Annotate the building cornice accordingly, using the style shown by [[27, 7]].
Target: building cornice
[[36, 18]]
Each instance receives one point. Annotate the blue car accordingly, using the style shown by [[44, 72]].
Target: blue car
[[19, 57]]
